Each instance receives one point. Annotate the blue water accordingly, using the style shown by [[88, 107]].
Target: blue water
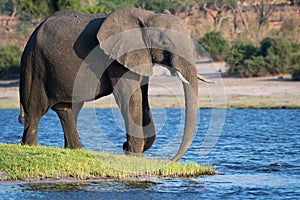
[[256, 154]]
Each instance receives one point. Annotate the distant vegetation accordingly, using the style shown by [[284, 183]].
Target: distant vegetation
[[10, 57], [255, 38], [215, 44], [274, 55]]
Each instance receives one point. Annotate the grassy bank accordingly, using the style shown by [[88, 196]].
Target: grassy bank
[[39, 163]]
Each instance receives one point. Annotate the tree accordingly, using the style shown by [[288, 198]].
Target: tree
[[233, 6], [115, 4], [6, 6], [241, 14], [216, 10], [185, 6], [278, 53], [236, 10], [10, 60], [69, 4], [265, 8], [238, 57], [36, 9], [155, 5], [216, 45]]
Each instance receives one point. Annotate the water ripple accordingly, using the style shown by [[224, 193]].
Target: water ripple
[[256, 156]]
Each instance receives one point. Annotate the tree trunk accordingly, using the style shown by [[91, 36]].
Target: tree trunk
[[234, 14], [244, 21], [12, 16]]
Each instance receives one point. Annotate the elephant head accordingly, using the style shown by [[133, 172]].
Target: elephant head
[[137, 39]]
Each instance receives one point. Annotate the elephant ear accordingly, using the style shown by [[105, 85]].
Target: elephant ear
[[121, 37]]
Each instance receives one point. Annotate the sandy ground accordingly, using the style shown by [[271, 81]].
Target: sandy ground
[[166, 91]]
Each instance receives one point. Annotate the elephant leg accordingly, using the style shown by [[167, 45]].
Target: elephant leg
[[33, 112], [30, 128], [76, 107], [148, 124], [67, 120], [128, 96]]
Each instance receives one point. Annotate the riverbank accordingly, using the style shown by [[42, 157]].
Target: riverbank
[[166, 91], [42, 163]]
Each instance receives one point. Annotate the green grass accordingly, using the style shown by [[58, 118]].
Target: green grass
[[39, 163]]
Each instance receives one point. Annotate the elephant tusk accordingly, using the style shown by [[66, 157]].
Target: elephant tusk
[[202, 78], [180, 76]]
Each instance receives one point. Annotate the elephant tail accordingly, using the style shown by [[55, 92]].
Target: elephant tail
[[21, 117]]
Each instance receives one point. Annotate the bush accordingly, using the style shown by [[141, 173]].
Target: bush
[[277, 52], [35, 9], [240, 52], [296, 72], [274, 56], [216, 45], [295, 56], [255, 67], [69, 4], [10, 57]]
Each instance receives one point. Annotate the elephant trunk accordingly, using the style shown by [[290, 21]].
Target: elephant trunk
[[191, 105]]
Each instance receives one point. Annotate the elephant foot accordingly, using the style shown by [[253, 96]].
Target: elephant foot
[[149, 142], [130, 151], [125, 147], [74, 144], [29, 138], [28, 143]]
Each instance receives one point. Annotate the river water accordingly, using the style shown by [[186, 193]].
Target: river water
[[256, 153]]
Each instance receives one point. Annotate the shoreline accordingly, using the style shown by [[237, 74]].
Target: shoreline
[[165, 91]]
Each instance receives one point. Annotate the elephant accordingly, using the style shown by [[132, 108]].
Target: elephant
[[59, 46]]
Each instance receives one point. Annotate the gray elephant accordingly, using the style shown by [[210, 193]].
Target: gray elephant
[[62, 44]]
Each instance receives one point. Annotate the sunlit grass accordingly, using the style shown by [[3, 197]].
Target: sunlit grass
[[39, 162]]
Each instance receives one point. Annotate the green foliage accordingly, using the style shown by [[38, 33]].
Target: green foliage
[[277, 52], [156, 5], [296, 72], [69, 4], [115, 4], [38, 162], [216, 45], [10, 57], [96, 9], [241, 51], [40, 9], [295, 62], [6, 6], [274, 56], [80, 6], [254, 67], [295, 56], [36, 9]]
